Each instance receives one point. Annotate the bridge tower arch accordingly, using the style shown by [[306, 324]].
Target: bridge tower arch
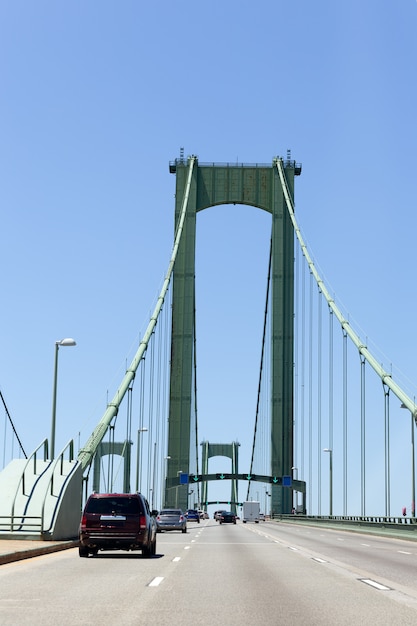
[[111, 449], [259, 186], [229, 450]]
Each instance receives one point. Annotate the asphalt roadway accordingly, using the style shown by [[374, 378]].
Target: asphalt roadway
[[17, 549]]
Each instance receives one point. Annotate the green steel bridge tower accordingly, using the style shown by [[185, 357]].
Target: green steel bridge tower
[[257, 185]]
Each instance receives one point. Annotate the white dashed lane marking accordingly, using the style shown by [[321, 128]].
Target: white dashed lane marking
[[373, 583]]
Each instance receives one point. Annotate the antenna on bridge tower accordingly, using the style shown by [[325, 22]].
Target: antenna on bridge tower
[[182, 155], [288, 157]]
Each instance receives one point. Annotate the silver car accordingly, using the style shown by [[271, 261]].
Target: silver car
[[171, 519]]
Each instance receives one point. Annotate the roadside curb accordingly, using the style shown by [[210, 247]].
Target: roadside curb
[[19, 555]]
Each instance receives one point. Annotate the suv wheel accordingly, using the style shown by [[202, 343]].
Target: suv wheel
[[147, 550], [82, 551]]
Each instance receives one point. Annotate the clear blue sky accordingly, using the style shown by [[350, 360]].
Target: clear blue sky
[[97, 97]]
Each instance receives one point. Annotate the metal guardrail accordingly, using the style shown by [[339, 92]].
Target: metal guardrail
[[183, 162], [370, 521], [30, 524]]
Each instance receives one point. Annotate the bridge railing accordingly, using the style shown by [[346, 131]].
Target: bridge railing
[[400, 523], [12, 523]]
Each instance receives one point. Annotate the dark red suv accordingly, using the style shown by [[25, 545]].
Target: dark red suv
[[117, 521]]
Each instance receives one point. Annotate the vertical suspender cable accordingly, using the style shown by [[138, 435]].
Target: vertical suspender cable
[[296, 360], [387, 452], [331, 395], [310, 398], [345, 440], [303, 366], [195, 397], [363, 436], [150, 416], [319, 420], [165, 387]]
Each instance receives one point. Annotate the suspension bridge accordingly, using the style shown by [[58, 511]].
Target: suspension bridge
[[312, 401]]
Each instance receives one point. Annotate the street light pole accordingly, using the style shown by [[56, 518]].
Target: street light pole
[[330, 480], [166, 459], [413, 470], [413, 467], [62, 342], [267, 494], [176, 489], [139, 457], [153, 477], [295, 469]]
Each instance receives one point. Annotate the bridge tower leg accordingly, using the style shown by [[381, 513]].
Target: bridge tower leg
[[282, 339], [182, 348]]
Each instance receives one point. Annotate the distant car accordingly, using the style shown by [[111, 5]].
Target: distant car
[[227, 517], [117, 521], [171, 519], [217, 514], [192, 515], [261, 517], [203, 514]]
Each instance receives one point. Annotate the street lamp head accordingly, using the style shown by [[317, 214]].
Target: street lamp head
[[66, 342], [327, 450]]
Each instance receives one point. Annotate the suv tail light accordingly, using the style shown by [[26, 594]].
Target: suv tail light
[[142, 521]]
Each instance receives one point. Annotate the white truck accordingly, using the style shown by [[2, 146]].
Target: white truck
[[251, 512]]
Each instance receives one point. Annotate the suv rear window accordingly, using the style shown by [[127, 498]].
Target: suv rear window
[[114, 505]]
